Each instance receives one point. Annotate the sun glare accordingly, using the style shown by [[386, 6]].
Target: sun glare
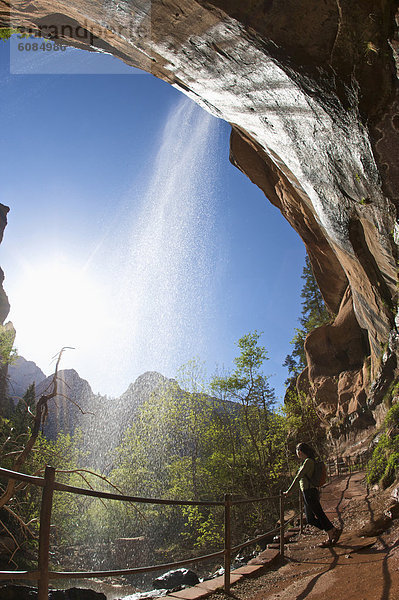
[[58, 304]]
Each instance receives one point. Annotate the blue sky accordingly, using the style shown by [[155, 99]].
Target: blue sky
[[78, 159]]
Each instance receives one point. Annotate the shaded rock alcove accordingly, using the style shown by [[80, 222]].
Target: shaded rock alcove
[[311, 91]]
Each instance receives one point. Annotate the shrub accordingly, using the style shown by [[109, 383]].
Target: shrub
[[378, 462], [384, 463], [6, 33], [392, 417], [391, 469]]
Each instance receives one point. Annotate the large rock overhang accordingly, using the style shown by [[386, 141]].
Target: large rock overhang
[[311, 91]]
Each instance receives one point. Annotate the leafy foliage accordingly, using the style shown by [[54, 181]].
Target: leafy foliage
[[314, 314], [197, 445], [8, 353], [24, 448], [250, 387], [21, 513], [302, 421], [203, 527], [7, 32], [383, 466]]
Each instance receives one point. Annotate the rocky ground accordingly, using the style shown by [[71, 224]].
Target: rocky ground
[[364, 565]]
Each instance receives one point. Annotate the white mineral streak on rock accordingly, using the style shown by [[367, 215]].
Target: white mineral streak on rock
[[252, 91]]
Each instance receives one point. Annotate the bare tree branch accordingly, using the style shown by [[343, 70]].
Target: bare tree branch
[[10, 534], [39, 419], [81, 471], [24, 526]]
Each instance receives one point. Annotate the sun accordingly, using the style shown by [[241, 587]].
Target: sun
[[55, 304]]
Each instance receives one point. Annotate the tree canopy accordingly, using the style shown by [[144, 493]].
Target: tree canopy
[[314, 314]]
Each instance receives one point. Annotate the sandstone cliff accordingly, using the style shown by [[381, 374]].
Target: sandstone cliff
[[311, 91]]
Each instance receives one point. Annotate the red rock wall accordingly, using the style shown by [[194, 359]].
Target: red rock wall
[[4, 304]]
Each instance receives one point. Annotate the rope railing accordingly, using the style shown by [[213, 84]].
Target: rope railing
[[342, 465], [43, 575], [62, 487], [93, 574], [255, 540]]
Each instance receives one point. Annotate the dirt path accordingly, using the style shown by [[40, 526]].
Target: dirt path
[[357, 568]]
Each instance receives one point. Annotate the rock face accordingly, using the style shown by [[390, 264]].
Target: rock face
[[74, 398], [4, 310], [4, 304], [101, 420], [175, 579], [311, 91], [21, 374]]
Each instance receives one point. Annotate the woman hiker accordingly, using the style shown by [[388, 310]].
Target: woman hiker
[[314, 512]]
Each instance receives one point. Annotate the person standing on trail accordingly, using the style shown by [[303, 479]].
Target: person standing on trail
[[314, 512]]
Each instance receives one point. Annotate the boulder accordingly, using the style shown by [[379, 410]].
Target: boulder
[[22, 592], [175, 579], [17, 592]]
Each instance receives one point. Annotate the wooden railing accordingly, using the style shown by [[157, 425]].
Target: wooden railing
[[43, 575], [343, 465]]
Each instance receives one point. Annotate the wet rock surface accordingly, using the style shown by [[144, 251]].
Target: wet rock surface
[[175, 579]]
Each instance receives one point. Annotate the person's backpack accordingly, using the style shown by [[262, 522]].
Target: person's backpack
[[319, 476]]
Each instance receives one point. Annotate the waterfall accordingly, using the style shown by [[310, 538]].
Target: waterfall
[[166, 249], [161, 273], [163, 281]]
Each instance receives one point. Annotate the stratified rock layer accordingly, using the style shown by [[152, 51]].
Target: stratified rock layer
[[311, 91]]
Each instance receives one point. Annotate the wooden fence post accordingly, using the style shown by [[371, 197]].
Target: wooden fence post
[[281, 524], [44, 532], [227, 542]]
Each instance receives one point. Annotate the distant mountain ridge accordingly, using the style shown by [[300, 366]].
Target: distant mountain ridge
[[102, 420], [74, 398], [21, 374]]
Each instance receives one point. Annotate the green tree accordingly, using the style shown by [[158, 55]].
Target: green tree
[[302, 421], [24, 448], [164, 454], [199, 443], [256, 445], [8, 353], [172, 433], [249, 386], [7, 32], [314, 314]]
